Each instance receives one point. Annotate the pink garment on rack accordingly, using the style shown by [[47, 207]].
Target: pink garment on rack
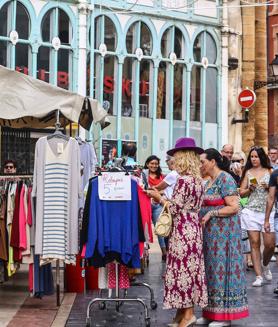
[[83, 252], [22, 220], [146, 214], [29, 211], [123, 276]]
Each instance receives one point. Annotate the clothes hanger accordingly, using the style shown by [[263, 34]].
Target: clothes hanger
[[58, 133], [79, 140]]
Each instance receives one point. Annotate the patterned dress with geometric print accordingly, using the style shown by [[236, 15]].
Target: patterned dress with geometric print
[[227, 298], [185, 284]]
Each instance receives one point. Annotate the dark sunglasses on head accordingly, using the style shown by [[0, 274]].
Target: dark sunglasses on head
[[256, 147]]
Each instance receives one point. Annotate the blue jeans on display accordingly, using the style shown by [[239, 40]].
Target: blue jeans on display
[[156, 210]]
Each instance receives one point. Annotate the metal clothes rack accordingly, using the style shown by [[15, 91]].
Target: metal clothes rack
[[117, 299], [120, 300], [16, 178]]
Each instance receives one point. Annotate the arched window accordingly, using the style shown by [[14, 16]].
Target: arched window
[[55, 54], [138, 40], [171, 101], [203, 93], [102, 83], [137, 70], [15, 27]]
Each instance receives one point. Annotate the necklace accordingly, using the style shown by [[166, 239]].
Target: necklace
[[210, 183]]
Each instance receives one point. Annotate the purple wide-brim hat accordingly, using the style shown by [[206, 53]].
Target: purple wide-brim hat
[[185, 143]]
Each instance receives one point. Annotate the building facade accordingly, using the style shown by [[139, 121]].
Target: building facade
[[155, 65], [273, 89]]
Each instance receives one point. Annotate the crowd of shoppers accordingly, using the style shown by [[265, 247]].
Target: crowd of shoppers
[[205, 264]]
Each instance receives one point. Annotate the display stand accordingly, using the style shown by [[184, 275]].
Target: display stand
[[119, 301], [16, 178], [58, 284]]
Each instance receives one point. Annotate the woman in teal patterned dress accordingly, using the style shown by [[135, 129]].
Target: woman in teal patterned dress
[[224, 262]]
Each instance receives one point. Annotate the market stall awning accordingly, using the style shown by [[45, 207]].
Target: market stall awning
[[29, 102]]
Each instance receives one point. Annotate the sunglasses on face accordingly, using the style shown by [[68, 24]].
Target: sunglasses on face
[[9, 167]]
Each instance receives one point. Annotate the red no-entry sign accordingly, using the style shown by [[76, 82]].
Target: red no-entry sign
[[246, 98]]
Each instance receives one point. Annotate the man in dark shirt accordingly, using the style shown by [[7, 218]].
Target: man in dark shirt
[[9, 167], [228, 151], [271, 199]]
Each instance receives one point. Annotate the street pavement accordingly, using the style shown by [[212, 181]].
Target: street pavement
[[263, 304], [18, 309]]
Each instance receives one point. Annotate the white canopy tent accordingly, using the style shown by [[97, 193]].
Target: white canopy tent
[[29, 102]]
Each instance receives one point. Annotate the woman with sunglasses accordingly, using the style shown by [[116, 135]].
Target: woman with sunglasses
[[237, 164], [255, 179]]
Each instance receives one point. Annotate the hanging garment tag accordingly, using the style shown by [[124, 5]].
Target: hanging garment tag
[[114, 186], [60, 148]]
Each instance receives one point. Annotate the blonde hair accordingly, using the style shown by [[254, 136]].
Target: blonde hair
[[187, 162], [240, 155]]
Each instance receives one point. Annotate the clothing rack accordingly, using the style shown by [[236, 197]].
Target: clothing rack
[[117, 299], [16, 178], [13, 177]]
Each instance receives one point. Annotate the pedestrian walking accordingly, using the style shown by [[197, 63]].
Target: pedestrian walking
[[185, 284], [224, 263], [273, 157], [255, 179], [228, 152], [271, 199]]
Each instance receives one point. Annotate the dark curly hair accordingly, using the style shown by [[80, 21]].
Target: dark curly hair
[[264, 160], [221, 161], [151, 158]]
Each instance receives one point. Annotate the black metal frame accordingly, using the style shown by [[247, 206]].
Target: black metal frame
[[273, 81], [244, 120]]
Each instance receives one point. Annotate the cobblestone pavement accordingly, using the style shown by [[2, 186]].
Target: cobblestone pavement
[[263, 304]]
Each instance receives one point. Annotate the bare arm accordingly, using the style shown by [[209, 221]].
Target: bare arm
[[270, 202], [231, 208], [161, 186], [244, 190]]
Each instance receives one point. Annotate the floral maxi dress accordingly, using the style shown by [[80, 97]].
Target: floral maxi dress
[[185, 283], [223, 256]]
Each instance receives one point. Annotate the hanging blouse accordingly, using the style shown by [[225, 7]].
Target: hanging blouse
[[56, 186]]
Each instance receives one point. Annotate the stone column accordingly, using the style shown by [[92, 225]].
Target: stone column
[[234, 81], [261, 106], [248, 70]]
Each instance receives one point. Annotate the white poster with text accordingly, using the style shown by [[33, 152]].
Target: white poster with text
[[114, 186]]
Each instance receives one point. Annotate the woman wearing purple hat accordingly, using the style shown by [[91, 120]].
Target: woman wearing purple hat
[[185, 284]]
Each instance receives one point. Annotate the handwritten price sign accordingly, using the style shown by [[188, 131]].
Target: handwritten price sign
[[114, 186]]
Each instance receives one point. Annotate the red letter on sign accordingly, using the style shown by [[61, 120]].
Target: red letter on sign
[[63, 80], [108, 84], [126, 87], [144, 88]]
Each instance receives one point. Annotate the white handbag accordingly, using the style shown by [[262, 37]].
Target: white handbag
[[163, 226]]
